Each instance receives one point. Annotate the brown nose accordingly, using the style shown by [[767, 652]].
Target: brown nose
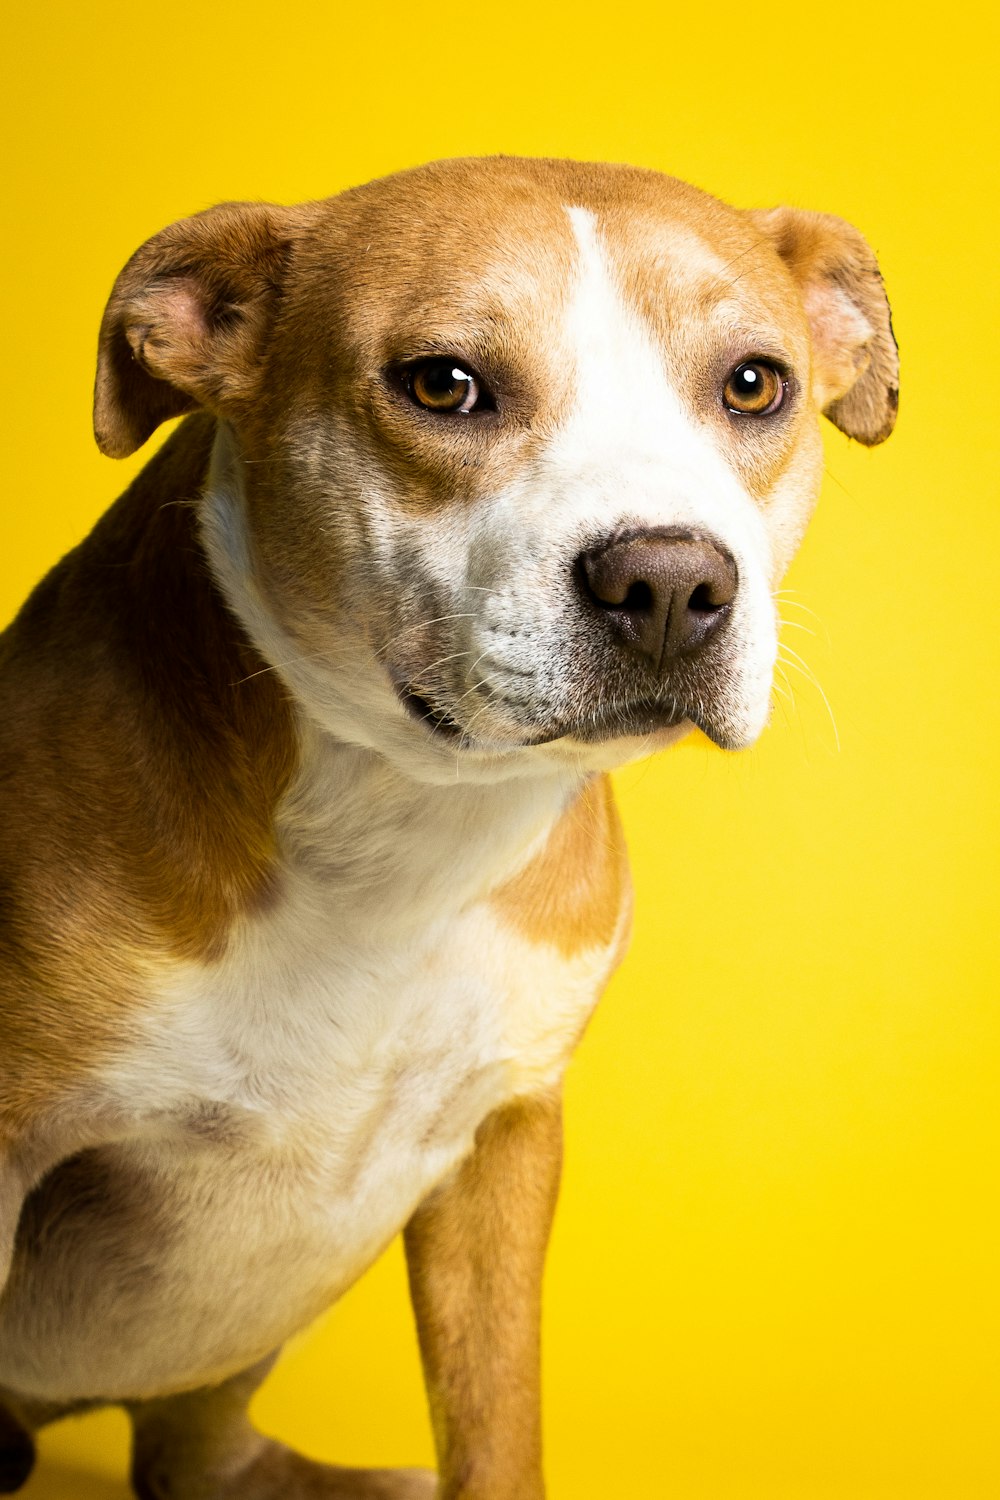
[[665, 593]]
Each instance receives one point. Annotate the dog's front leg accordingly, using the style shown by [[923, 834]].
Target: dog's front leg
[[476, 1249]]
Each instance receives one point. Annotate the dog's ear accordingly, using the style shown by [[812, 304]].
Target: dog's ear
[[855, 361], [187, 319]]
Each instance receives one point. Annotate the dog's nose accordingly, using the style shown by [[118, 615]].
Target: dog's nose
[[664, 593]]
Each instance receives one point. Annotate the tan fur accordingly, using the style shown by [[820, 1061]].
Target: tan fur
[[573, 892], [476, 1251]]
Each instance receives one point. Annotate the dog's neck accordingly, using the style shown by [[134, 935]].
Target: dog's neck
[[401, 853]]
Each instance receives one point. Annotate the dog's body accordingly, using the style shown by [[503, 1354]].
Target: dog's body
[[312, 876]]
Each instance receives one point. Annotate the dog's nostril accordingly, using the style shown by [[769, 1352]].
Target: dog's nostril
[[639, 598], [702, 601]]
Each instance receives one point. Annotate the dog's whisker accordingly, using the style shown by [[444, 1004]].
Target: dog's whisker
[[786, 600], [279, 666], [750, 250], [421, 674], [180, 505], [838, 482], [422, 625], [798, 665], [475, 688], [783, 700], [488, 703]]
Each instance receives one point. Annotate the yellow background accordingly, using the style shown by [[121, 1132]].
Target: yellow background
[[774, 1270]]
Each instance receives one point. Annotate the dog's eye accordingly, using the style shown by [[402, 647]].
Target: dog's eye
[[755, 388], [443, 385]]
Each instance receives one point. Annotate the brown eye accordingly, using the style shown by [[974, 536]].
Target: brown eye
[[443, 385], [755, 388]]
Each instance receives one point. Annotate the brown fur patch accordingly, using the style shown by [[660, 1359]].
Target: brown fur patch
[[140, 763], [571, 894]]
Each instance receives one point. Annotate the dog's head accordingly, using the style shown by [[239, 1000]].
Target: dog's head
[[513, 453]]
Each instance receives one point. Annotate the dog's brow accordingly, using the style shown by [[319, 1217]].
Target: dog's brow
[[446, 336]]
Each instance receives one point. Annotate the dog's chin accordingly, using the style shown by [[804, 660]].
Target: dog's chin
[[607, 746]]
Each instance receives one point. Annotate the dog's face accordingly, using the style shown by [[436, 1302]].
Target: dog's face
[[516, 451]]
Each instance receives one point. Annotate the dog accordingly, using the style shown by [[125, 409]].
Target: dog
[[311, 870]]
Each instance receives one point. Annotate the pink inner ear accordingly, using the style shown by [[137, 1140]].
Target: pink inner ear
[[841, 336], [166, 327]]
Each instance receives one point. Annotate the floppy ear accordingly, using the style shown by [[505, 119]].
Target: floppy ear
[[187, 318], [855, 362]]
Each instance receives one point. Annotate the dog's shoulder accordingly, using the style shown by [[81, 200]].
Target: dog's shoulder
[[142, 752]]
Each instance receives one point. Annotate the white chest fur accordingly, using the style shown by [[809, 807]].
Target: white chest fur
[[286, 1107]]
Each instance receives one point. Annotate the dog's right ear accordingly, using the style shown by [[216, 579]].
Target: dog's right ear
[[856, 363], [187, 319]]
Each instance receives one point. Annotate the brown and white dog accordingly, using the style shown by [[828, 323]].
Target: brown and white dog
[[311, 871]]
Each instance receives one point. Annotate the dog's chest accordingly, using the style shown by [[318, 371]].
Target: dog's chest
[[289, 1106], [362, 1063]]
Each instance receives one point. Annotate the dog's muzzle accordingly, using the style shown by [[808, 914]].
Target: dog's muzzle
[[649, 650]]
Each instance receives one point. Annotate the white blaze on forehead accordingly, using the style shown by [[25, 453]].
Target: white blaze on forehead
[[631, 440], [619, 377]]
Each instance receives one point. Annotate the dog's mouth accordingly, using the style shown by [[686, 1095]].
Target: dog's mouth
[[636, 720]]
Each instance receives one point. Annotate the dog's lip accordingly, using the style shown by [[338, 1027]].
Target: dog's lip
[[435, 720]]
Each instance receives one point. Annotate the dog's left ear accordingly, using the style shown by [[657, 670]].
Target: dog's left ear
[[187, 320], [855, 361]]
